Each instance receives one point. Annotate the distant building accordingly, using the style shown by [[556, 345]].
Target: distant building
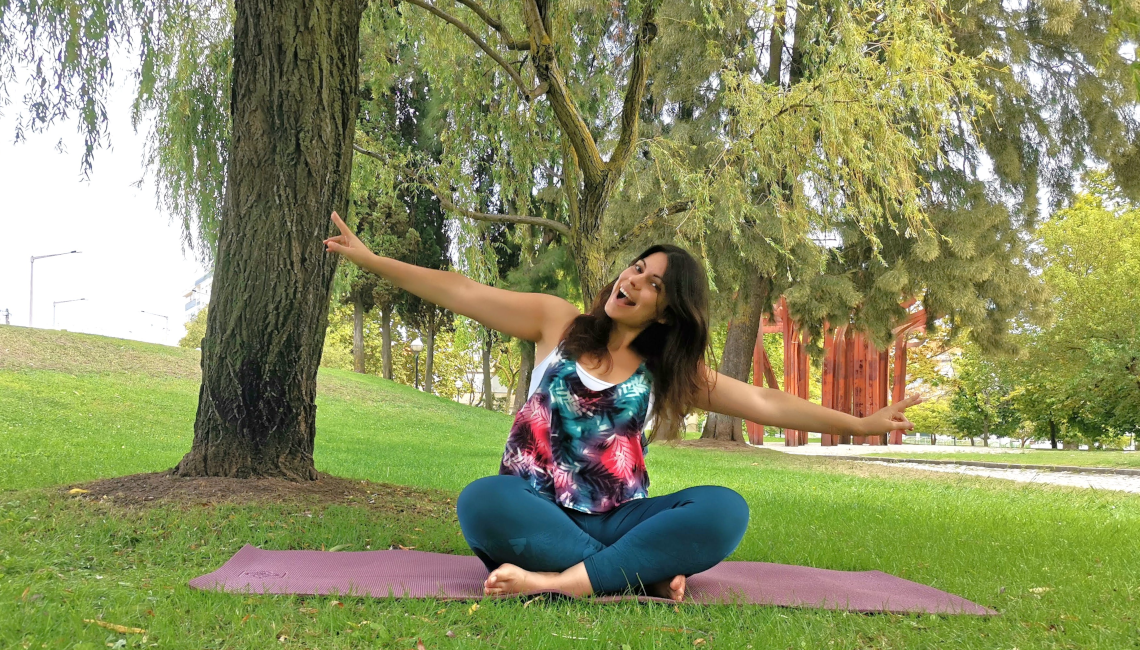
[[470, 398], [200, 295]]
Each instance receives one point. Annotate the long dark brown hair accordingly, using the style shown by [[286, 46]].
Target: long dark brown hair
[[672, 350]]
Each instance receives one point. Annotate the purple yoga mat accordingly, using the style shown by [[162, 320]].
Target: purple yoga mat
[[414, 574]]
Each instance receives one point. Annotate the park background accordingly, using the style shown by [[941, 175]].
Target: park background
[[979, 158]]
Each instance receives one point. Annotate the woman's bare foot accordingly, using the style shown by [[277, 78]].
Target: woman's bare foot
[[510, 579], [672, 589]]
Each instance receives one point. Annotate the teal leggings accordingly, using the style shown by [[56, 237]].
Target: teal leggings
[[506, 521]]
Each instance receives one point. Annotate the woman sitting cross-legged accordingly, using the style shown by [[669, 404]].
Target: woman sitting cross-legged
[[570, 508]]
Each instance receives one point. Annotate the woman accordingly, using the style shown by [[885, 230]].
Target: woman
[[569, 510]]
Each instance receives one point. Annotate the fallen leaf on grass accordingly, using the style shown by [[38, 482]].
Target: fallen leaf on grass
[[449, 634], [527, 603], [1040, 590], [471, 610], [405, 548], [121, 629], [310, 610], [78, 491], [420, 645], [698, 642], [336, 603], [339, 547]]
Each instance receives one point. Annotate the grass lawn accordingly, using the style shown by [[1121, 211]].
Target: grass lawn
[[1059, 563], [1128, 459]]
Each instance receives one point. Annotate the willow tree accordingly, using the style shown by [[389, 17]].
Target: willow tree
[[643, 142], [289, 71]]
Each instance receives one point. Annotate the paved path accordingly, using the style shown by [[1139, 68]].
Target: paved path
[[815, 449], [1098, 481]]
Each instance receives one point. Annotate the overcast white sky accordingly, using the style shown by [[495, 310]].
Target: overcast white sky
[[132, 259]]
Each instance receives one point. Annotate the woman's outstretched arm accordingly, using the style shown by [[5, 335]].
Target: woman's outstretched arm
[[779, 409], [529, 316]]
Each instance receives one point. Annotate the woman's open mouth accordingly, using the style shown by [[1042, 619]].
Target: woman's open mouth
[[623, 299]]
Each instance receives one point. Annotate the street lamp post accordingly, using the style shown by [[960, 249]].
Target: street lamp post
[[32, 280], [417, 346], [60, 302]]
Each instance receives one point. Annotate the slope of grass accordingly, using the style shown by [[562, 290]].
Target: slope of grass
[[1033, 457], [1058, 563]]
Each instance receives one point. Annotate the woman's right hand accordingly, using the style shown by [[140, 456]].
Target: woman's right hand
[[347, 243]]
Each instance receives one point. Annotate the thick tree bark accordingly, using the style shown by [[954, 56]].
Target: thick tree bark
[[386, 340], [1052, 434], [524, 375], [488, 391], [737, 359], [357, 333], [294, 105]]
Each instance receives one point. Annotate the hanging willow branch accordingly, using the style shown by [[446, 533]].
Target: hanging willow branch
[[448, 204], [529, 93]]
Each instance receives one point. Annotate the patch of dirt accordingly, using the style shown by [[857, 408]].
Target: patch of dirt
[[705, 443], [165, 489]]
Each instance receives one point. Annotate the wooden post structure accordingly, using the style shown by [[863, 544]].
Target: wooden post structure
[[761, 372], [857, 377], [916, 322]]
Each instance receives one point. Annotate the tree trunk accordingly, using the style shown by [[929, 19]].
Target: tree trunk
[[429, 358], [293, 102], [1052, 434], [488, 392], [524, 375], [737, 359], [386, 340], [357, 333], [590, 255]]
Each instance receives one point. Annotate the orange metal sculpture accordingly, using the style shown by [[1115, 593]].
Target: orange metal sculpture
[[855, 373]]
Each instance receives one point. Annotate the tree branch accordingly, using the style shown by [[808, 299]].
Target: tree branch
[[573, 126], [495, 24], [635, 90], [529, 93], [448, 204], [673, 208]]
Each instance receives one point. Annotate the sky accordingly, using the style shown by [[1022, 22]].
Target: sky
[[131, 258]]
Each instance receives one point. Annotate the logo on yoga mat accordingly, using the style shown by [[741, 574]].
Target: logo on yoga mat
[[262, 575]]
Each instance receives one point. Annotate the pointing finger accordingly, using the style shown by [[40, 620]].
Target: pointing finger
[[340, 224], [910, 401]]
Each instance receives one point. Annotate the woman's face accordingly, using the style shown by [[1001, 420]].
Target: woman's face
[[638, 297]]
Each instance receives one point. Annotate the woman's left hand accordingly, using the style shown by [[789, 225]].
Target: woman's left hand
[[890, 418]]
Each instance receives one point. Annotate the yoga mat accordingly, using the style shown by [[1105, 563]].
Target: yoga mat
[[415, 574]]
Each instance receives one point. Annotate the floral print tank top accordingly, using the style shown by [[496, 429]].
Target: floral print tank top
[[583, 449]]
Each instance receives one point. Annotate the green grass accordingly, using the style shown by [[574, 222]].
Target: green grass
[[1058, 563], [1033, 457]]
